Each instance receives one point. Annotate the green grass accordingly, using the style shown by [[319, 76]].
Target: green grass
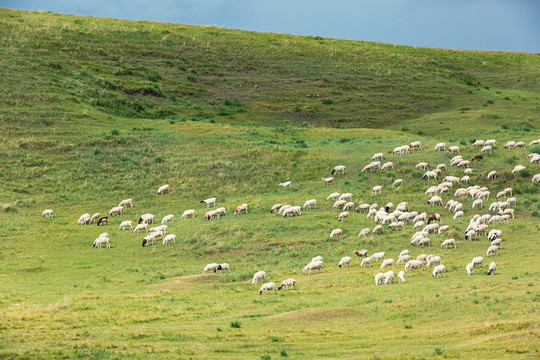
[[97, 110]]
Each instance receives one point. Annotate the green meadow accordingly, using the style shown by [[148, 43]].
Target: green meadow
[[93, 111]]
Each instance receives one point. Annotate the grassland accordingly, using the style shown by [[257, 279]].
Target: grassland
[[93, 111]]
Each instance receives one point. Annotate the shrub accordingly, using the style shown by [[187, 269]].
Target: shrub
[[511, 160], [489, 101], [97, 151], [236, 324], [115, 132], [472, 140], [407, 326], [438, 351], [232, 102], [284, 353], [525, 173], [420, 132], [506, 98], [297, 108], [388, 301], [265, 357], [276, 339], [301, 144], [463, 142], [191, 78], [159, 159], [46, 122], [327, 101]]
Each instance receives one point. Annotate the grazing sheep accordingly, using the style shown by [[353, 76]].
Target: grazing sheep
[[102, 241], [492, 268], [387, 165], [84, 219], [422, 257], [378, 229], [336, 233], [367, 168], [478, 204], [449, 242], [388, 277], [211, 215], [332, 196], [211, 267], [126, 224], [95, 217], [47, 213], [317, 258], [439, 270], [486, 149], [458, 214], [126, 202], [479, 143], [315, 265], [419, 224], [188, 213], [259, 276], [469, 268], [518, 168], [468, 171], [453, 149], [509, 144], [286, 184], [141, 228], [377, 156], [387, 262], [310, 204], [339, 204], [404, 252], [413, 264], [345, 261], [151, 238], [470, 234], [346, 196], [287, 283], [146, 218], [379, 255], [403, 259], [422, 165], [435, 200], [492, 175], [169, 238], [379, 278], [366, 261], [292, 211], [209, 202], [536, 178], [104, 220], [163, 190], [444, 228], [338, 169], [240, 208], [401, 276], [478, 261], [492, 250], [268, 286], [442, 167], [163, 228], [465, 179], [430, 175], [360, 253], [276, 208], [397, 225], [376, 189], [343, 215], [328, 180], [534, 142], [440, 146], [433, 260], [397, 182], [348, 206], [221, 211], [167, 218], [434, 217], [364, 232], [415, 145], [424, 242], [497, 242]]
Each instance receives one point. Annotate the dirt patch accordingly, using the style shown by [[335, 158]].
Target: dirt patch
[[314, 315], [186, 283]]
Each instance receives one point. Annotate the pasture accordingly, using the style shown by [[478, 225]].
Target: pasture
[[62, 149]]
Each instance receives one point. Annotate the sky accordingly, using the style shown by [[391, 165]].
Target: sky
[[502, 25]]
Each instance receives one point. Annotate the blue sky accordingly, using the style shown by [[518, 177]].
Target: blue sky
[[512, 25]]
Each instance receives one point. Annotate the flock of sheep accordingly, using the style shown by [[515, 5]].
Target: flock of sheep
[[394, 217]]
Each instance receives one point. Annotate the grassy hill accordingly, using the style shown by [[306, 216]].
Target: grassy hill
[[93, 111]]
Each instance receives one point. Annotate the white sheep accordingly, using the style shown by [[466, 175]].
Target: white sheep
[[413, 264], [47, 213], [458, 214], [387, 165], [453, 149], [364, 232], [491, 142], [419, 224], [310, 204], [422, 165], [379, 278], [518, 168], [479, 143], [163, 190], [469, 268], [169, 238], [376, 189], [449, 242], [126, 224], [209, 202], [439, 270], [377, 156], [328, 180], [379, 255], [492, 268], [287, 283], [349, 206], [343, 215], [212, 267], [378, 229], [387, 263], [95, 217], [497, 242], [163, 228], [430, 175], [403, 259], [259, 276], [397, 182], [366, 261], [188, 213], [317, 258], [435, 200], [345, 261], [332, 196], [84, 219], [167, 218], [147, 218], [224, 266], [102, 240], [338, 169], [141, 227], [360, 253], [346, 196], [492, 250], [336, 233], [276, 208], [339, 204], [440, 146], [268, 286], [315, 265], [401, 276], [492, 175], [126, 202], [211, 215], [404, 252], [486, 149], [433, 260], [536, 178], [509, 144], [388, 277], [286, 184], [478, 261]]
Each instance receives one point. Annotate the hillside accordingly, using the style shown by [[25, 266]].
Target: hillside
[[93, 111]]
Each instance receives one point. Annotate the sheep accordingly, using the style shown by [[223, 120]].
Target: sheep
[[518, 168], [188, 213], [343, 215], [348, 206], [453, 149], [163, 228], [419, 224], [403, 259], [492, 268], [492, 250], [360, 253], [84, 219], [317, 258], [388, 277], [422, 165], [465, 179], [287, 283], [536, 178], [442, 167], [366, 261], [328, 181], [367, 168], [435, 200], [477, 203], [209, 202], [211, 267], [464, 163], [125, 224], [397, 225], [104, 220], [169, 238], [276, 208], [492, 175], [377, 156], [376, 189], [468, 171], [431, 228], [379, 255], [404, 252], [364, 232], [259, 276], [345, 261], [292, 211], [479, 143], [240, 208], [415, 145], [141, 227], [146, 218], [434, 217], [422, 258], [167, 218], [95, 217], [268, 286], [470, 234], [211, 215], [486, 149], [387, 262], [397, 182], [338, 169], [535, 159], [339, 204], [455, 160], [283, 208], [387, 165], [509, 145], [163, 190], [434, 260], [371, 213], [332, 196], [413, 264], [126, 202], [439, 270], [424, 242], [336, 233], [346, 196], [102, 241], [449, 242], [491, 142], [497, 242], [379, 278], [286, 184], [451, 179], [534, 142], [458, 214], [430, 175], [310, 204], [151, 237], [469, 268], [444, 228], [315, 265], [440, 146], [401, 276], [478, 261], [422, 216], [378, 229]]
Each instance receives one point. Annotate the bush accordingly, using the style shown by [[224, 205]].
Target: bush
[[265, 357], [232, 102], [46, 122], [236, 324], [284, 353], [463, 142], [327, 101], [525, 173], [115, 132], [472, 140], [490, 101], [97, 151], [159, 159], [276, 339], [191, 78], [407, 326], [438, 351]]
